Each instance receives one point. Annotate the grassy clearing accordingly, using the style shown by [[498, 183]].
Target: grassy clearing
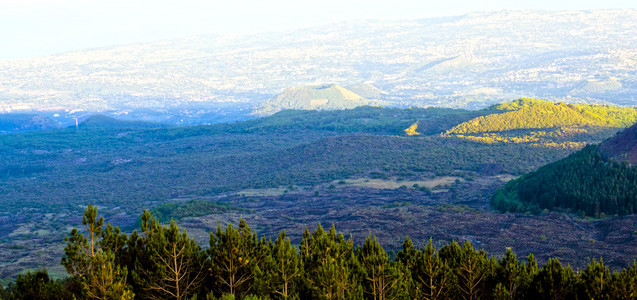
[[264, 192], [506, 177], [395, 184], [437, 184]]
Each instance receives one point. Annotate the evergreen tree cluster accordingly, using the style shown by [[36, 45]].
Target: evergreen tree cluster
[[585, 182], [163, 262]]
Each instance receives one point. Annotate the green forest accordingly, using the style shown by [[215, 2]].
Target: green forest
[[301, 167], [585, 183], [162, 262], [48, 176]]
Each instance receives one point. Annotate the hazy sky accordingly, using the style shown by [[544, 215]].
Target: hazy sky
[[40, 27]]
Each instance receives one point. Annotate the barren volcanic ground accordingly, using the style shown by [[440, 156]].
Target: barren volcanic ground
[[443, 209], [460, 213]]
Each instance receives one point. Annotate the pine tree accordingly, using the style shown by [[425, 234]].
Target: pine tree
[[234, 258], [624, 283], [407, 256], [406, 259], [286, 266], [37, 285], [76, 254], [471, 272], [178, 262], [432, 274], [91, 261], [93, 225], [501, 292], [113, 240], [596, 280], [554, 282], [510, 273], [330, 266], [80, 249], [381, 277], [106, 280]]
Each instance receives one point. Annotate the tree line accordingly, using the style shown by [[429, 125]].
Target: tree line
[[162, 262], [585, 182]]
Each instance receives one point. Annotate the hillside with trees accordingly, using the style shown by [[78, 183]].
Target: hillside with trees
[[160, 261], [362, 119], [596, 181], [528, 113], [622, 147], [355, 168], [542, 122], [584, 183], [10, 123]]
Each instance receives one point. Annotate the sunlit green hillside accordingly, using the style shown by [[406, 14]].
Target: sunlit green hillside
[[544, 123], [538, 114]]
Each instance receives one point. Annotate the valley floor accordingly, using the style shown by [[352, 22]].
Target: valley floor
[[451, 210]]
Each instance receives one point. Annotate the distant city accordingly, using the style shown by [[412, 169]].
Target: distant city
[[468, 61]]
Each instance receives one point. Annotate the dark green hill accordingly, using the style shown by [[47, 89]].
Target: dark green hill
[[291, 147], [591, 182], [361, 120], [364, 119], [25, 122]]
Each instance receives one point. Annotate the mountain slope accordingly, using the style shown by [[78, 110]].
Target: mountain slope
[[591, 182], [328, 97], [367, 91], [538, 114], [545, 123], [25, 122], [46, 177], [622, 147]]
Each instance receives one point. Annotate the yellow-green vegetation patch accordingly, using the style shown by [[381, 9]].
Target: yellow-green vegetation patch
[[537, 114], [411, 130], [263, 192], [395, 184], [545, 124]]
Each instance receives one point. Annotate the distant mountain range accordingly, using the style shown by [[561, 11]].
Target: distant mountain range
[[10, 123], [468, 61]]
